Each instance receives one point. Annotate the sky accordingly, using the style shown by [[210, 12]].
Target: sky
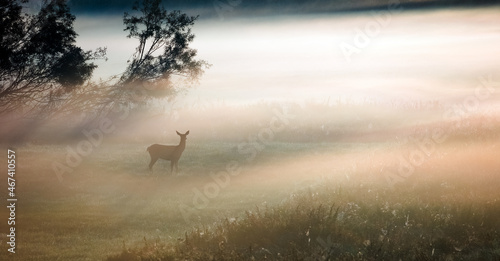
[[389, 53], [268, 7]]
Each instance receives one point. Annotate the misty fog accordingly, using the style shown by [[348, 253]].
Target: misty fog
[[388, 119], [407, 55]]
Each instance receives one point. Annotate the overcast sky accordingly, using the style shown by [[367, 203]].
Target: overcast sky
[[211, 8]]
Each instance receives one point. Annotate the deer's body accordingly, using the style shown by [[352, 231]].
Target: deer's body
[[168, 152]]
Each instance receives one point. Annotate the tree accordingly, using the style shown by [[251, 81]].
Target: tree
[[38, 56], [45, 74], [163, 51]]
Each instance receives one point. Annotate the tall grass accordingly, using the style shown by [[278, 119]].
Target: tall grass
[[344, 223]]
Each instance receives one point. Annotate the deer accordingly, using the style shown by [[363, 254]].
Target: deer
[[168, 152]]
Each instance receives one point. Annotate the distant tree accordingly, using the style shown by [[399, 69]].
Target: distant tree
[[38, 56], [163, 52]]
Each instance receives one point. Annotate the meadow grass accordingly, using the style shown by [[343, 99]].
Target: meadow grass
[[432, 216], [287, 205], [328, 224], [317, 191]]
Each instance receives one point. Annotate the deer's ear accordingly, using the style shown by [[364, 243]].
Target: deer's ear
[[187, 133], [177, 133]]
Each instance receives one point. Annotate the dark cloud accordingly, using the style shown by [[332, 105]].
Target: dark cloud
[[209, 8]]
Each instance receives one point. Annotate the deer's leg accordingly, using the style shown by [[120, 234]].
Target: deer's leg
[[152, 162], [176, 167], [172, 164]]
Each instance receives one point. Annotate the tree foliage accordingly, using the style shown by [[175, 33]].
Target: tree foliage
[[38, 55], [44, 73], [163, 51]]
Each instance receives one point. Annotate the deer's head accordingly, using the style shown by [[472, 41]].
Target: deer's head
[[183, 136]]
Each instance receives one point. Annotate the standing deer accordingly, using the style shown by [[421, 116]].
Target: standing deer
[[171, 153]]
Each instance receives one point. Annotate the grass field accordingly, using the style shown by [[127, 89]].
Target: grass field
[[368, 195]]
